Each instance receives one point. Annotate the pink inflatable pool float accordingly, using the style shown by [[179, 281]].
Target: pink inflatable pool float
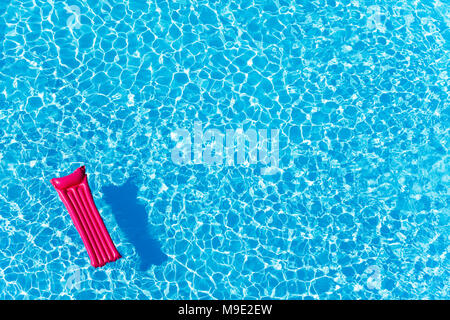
[[76, 195]]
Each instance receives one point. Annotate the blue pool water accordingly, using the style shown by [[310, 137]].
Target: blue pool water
[[357, 209]]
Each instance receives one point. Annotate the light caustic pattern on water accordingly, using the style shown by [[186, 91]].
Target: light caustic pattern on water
[[357, 89]]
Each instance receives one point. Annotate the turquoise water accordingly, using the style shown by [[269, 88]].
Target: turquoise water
[[358, 90]]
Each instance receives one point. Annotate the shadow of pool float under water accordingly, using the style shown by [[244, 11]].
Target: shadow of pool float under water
[[132, 220]]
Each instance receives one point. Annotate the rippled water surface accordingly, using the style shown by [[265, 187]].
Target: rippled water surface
[[358, 208]]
